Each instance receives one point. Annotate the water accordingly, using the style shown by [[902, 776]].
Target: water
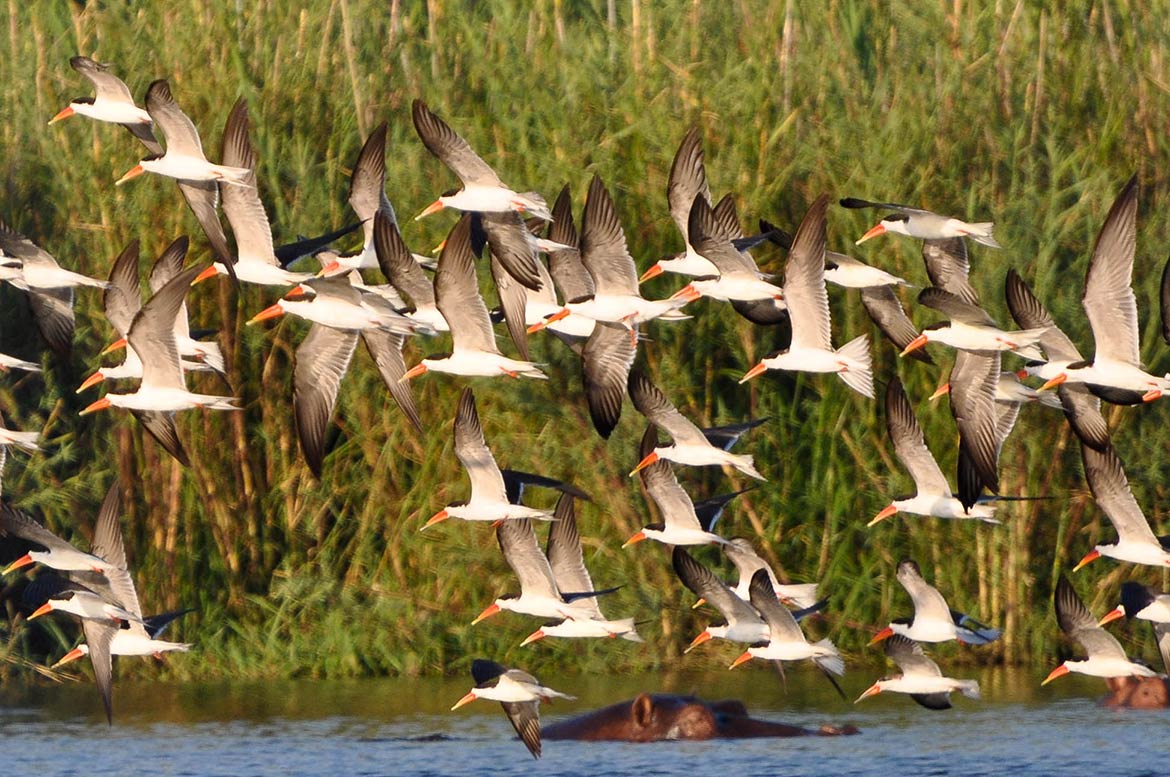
[[403, 727]]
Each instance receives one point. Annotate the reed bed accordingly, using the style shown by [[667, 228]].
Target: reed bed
[[992, 111]]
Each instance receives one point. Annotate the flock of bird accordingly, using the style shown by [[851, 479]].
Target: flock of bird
[[599, 314]]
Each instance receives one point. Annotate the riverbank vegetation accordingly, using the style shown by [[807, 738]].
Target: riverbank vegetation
[[1000, 111]]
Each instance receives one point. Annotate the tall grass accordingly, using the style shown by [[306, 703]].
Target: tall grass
[[1001, 111]]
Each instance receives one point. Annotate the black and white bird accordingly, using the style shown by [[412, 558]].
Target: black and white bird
[[811, 349], [1148, 604], [1104, 655], [934, 620], [489, 497], [920, 678], [680, 524], [690, 445], [932, 496], [922, 224], [518, 692]]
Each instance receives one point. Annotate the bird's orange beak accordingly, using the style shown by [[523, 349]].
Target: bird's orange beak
[[884, 634], [1061, 378], [644, 463], [117, 345], [329, 269], [688, 292], [1112, 615], [92, 380], [562, 313], [72, 655], [885, 513], [23, 561], [699, 640], [914, 345], [1059, 671], [743, 658], [759, 369], [208, 272], [940, 391], [272, 311], [872, 690], [47, 607], [467, 699], [653, 271], [101, 404], [438, 517], [636, 538], [1092, 555], [133, 172], [699, 603], [413, 372], [488, 611], [1152, 395], [533, 637], [64, 113], [434, 207], [874, 232]]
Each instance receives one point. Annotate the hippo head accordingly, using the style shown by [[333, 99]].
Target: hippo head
[[1139, 693], [657, 717]]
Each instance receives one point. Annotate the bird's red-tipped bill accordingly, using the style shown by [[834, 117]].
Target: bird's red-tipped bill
[[488, 611], [208, 272], [914, 345], [117, 345], [885, 513], [438, 517], [272, 311], [759, 369], [743, 659], [884, 634], [872, 690], [1092, 555], [1112, 615], [132, 173], [873, 232], [653, 271], [467, 699], [699, 640], [644, 463], [413, 372], [23, 561], [1059, 671], [45, 608], [92, 380], [64, 113], [69, 657], [1053, 382], [636, 538], [101, 404], [562, 313], [533, 637], [434, 207]]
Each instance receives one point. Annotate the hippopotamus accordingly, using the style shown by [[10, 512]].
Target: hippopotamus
[[1139, 693], [656, 717]]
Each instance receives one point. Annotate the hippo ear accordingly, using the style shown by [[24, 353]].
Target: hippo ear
[[643, 710]]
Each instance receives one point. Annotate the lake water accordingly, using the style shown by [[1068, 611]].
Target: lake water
[[403, 727]]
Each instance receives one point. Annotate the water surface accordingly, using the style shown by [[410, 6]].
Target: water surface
[[400, 727]]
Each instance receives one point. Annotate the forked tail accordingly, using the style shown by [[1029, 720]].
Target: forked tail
[[858, 374]]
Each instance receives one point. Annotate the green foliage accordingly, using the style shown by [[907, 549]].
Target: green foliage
[[1005, 112]]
